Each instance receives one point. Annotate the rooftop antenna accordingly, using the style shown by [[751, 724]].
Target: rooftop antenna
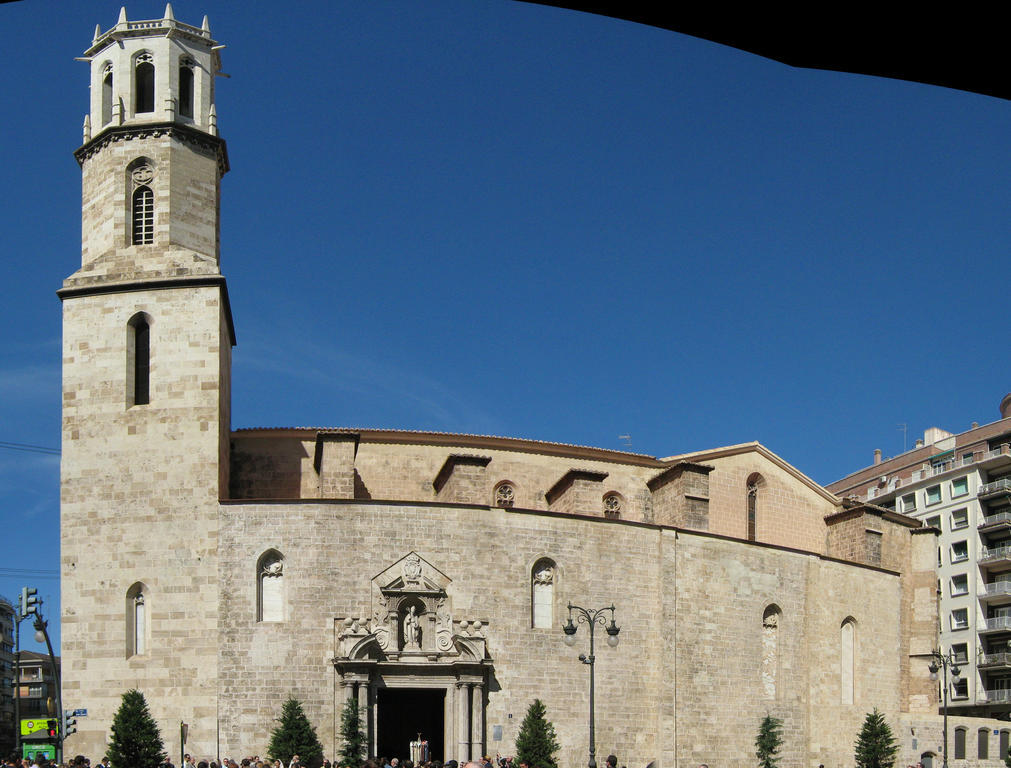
[[905, 429], [626, 440]]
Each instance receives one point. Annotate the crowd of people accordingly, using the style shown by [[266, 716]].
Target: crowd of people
[[257, 762]]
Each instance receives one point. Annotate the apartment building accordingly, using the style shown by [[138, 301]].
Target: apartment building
[[960, 484], [6, 676]]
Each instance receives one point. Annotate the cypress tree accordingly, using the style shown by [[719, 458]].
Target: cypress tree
[[875, 745], [352, 751], [536, 744], [294, 735], [768, 742], [135, 741]]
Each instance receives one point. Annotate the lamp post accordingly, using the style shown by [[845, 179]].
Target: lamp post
[[942, 662], [591, 618]]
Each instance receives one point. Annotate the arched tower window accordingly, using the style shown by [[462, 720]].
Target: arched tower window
[[137, 612], [771, 619], [186, 66], [141, 173], [270, 586], [505, 494], [542, 593], [755, 482], [613, 506], [138, 360], [847, 660], [107, 94], [144, 82]]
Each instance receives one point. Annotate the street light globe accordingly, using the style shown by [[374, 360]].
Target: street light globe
[[569, 640], [612, 640], [40, 636]]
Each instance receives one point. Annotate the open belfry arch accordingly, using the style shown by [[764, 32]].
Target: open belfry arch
[[410, 641]]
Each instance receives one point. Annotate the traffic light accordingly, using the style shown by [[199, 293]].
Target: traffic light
[[29, 601], [51, 726], [69, 723]]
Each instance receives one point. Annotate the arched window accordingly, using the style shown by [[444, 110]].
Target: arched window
[[270, 586], [755, 482], [144, 81], [847, 659], [983, 744], [505, 494], [1005, 743], [138, 360], [771, 619], [613, 505], [542, 593], [137, 611], [141, 176], [186, 66], [960, 743], [107, 94]]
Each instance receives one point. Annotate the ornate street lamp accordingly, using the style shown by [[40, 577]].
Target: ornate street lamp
[[591, 619], [938, 662]]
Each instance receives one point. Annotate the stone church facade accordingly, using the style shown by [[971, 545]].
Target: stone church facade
[[425, 574]]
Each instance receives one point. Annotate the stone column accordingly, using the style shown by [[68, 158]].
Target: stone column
[[366, 714], [462, 723], [477, 722]]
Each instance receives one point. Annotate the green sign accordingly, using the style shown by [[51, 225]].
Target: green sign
[[35, 725], [36, 749]]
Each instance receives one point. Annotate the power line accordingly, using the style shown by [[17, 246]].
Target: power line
[[38, 574], [29, 448]]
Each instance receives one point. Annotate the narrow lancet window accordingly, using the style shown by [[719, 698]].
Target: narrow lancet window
[[107, 95], [186, 88], [136, 620], [144, 91], [754, 482], [770, 651], [143, 216], [847, 660], [270, 586], [138, 362], [542, 594]]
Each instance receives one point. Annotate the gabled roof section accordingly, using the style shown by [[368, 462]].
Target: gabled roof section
[[755, 447]]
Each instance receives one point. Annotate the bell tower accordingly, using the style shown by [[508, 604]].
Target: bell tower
[[147, 338]]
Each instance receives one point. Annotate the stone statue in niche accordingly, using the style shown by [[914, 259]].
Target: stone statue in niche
[[544, 575], [412, 569], [273, 568], [412, 629]]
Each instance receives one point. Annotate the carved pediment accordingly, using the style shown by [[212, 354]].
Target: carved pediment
[[411, 574]]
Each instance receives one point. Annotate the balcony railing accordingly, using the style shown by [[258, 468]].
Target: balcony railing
[[994, 488], [1000, 694], [995, 553], [996, 589], [1002, 659], [1000, 517], [998, 624]]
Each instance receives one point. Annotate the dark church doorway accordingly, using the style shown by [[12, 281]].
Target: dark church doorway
[[403, 713]]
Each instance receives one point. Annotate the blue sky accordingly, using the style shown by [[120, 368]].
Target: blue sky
[[499, 218]]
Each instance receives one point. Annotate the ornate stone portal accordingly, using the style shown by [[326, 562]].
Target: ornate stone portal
[[410, 640]]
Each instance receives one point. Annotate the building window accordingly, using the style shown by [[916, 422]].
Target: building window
[[186, 66], [107, 94], [934, 521], [755, 482], [960, 652], [959, 551], [983, 744], [960, 688], [771, 619], [143, 216], [959, 585], [960, 618], [505, 494], [612, 505], [137, 611], [270, 586], [138, 360], [1005, 743], [847, 659], [959, 486], [144, 93], [959, 519], [909, 503], [933, 495], [542, 593], [960, 743]]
